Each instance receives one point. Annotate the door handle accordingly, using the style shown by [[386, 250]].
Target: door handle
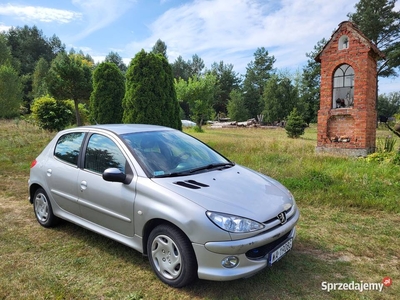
[[83, 185]]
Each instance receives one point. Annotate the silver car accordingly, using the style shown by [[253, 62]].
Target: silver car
[[192, 211]]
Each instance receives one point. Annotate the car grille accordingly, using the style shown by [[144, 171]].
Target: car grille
[[273, 223], [270, 225]]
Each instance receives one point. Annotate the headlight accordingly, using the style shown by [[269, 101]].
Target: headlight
[[233, 223]]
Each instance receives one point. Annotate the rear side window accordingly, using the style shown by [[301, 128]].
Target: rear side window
[[68, 147]]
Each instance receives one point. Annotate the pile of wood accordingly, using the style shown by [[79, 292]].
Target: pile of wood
[[233, 124]]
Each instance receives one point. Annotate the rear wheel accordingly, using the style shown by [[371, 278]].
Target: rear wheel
[[43, 210], [171, 256]]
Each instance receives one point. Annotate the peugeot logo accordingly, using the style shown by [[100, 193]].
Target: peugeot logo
[[282, 218]]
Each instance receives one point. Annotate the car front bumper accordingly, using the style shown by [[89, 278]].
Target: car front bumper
[[210, 255]]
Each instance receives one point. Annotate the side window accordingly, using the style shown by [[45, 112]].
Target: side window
[[68, 147], [102, 153]]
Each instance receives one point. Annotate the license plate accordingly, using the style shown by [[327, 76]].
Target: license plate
[[279, 252]]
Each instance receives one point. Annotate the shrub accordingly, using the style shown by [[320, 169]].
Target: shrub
[[295, 124], [51, 114], [396, 158], [381, 157]]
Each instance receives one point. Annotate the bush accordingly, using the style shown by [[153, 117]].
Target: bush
[[295, 124], [381, 157], [51, 114], [386, 152], [396, 158]]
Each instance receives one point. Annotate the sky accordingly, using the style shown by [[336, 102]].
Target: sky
[[215, 30]]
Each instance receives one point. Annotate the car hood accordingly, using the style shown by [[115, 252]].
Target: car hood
[[237, 190]]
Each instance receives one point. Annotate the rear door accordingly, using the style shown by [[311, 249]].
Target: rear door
[[108, 204], [62, 171]]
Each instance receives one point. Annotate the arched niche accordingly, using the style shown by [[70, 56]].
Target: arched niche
[[343, 87]]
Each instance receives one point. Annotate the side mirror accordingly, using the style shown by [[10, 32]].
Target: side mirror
[[114, 175]]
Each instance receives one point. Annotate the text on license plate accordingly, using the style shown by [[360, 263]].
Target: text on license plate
[[280, 251]]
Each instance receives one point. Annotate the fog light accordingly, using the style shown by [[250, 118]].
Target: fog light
[[230, 262]]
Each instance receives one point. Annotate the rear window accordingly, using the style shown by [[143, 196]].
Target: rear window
[[68, 147]]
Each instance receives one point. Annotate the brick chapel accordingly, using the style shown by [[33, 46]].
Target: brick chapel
[[347, 116]]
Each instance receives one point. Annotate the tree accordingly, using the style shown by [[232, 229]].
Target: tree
[[39, 85], [108, 92], [236, 106], [180, 68], [309, 85], [70, 77], [150, 95], [185, 69], [295, 124], [378, 20], [227, 81], [196, 65], [280, 97], [10, 92], [160, 48], [257, 74], [388, 105], [28, 45], [5, 52], [115, 58], [198, 92]]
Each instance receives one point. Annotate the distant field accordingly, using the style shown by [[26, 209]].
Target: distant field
[[349, 230]]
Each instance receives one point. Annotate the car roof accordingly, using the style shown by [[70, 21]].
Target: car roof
[[126, 128]]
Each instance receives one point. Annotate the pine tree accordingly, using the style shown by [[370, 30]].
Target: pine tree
[[295, 125], [380, 22]]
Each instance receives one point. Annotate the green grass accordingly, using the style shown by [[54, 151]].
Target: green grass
[[349, 229]]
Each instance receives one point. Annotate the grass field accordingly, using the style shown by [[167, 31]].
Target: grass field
[[349, 229]]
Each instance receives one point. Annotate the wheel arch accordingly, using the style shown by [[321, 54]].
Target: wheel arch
[[32, 190], [151, 224]]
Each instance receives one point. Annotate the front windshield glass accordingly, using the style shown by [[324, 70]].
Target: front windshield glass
[[171, 153]]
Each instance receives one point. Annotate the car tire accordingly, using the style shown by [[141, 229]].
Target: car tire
[[43, 210], [171, 256]]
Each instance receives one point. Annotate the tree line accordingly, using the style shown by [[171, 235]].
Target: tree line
[[37, 72]]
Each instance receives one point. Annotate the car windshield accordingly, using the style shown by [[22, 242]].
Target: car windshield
[[173, 153]]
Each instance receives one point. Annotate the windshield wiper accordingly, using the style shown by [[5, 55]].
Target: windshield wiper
[[219, 166], [174, 174]]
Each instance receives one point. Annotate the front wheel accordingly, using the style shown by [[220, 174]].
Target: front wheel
[[43, 210], [171, 256]]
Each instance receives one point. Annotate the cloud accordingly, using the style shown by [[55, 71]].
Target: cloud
[[4, 27], [100, 13], [38, 13], [232, 32]]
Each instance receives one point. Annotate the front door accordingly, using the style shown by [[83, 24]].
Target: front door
[[108, 204]]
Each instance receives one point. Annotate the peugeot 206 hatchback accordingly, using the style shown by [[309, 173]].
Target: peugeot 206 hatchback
[[192, 211]]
